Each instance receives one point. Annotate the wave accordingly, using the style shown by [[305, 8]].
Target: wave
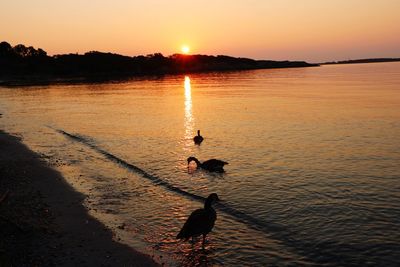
[[313, 254]]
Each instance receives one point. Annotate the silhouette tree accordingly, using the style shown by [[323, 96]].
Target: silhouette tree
[[5, 49], [22, 61], [41, 53], [20, 50]]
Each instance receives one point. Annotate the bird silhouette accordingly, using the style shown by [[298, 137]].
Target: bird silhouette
[[212, 165], [201, 221], [198, 138]]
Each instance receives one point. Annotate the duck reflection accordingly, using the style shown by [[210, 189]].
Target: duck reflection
[[197, 257], [189, 120]]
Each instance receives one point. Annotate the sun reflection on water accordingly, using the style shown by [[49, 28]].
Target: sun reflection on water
[[189, 120]]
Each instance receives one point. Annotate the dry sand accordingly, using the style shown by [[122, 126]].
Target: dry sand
[[43, 221]]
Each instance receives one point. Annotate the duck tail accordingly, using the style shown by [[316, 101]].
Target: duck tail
[[183, 233]]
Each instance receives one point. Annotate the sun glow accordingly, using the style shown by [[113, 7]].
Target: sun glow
[[185, 49]]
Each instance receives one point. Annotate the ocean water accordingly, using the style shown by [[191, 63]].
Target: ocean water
[[314, 160]]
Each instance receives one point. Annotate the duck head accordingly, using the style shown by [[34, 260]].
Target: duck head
[[190, 159], [212, 198]]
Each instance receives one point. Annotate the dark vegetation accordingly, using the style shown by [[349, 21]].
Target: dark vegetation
[[21, 63], [365, 60]]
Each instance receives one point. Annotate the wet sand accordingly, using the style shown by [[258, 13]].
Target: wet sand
[[43, 221]]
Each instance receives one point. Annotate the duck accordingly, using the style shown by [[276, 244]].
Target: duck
[[200, 221], [198, 138], [212, 165]]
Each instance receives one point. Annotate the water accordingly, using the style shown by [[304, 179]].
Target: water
[[314, 160]]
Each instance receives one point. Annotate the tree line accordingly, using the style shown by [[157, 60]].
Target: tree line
[[26, 61]]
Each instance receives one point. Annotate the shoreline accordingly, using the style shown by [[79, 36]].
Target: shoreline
[[43, 80], [43, 221], [27, 65], [361, 61]]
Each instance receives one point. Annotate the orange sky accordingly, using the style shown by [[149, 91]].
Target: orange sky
[[312, 30]]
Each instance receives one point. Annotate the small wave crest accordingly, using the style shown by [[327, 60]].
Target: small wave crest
[[273, 230], [222, 206]]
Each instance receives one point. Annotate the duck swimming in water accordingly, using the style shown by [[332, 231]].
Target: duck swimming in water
[[201, 221], [198, 138], [212, 165]]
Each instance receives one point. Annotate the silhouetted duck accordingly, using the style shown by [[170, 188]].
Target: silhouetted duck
[[201, 221], [212, 165], [198, 138]]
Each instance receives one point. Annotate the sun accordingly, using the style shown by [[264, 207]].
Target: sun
[[185, 49]]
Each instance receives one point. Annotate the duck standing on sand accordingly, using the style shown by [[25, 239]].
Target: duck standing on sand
[[201, 221], [198, 138], [212, 165]]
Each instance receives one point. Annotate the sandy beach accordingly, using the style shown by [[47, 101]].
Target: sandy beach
[[43, 221]]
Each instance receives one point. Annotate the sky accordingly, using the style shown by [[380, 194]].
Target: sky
[[311, 30]]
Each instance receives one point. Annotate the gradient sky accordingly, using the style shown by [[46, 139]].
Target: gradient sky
[[312, 30]]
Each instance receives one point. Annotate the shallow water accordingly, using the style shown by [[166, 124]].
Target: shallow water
[[314, 160]]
